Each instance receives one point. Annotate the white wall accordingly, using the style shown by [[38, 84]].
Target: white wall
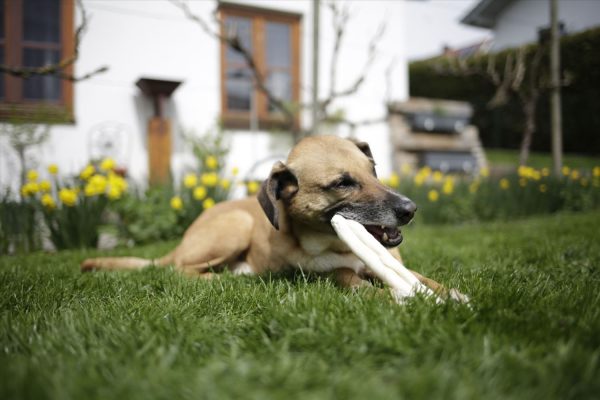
[[519, 22], [140, 38]]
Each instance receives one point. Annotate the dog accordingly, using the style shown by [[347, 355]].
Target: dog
[[287, 225]]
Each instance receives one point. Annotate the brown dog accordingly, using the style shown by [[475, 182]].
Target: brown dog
[[288, 224]]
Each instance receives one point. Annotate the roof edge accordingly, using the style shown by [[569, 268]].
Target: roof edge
[[484, 14]]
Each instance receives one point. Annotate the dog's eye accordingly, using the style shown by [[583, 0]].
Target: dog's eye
[[343, 182]]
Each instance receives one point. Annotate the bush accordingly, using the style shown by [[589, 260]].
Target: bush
[[502, 127], [147, 217]]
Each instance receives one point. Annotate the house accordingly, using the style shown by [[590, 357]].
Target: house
[[517, 22], [153, 41]]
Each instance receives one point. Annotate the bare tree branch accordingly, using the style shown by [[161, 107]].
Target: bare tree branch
[[58, 68], [233, 41], [340, 17], [371, 56], [523, 76], [289, 111]]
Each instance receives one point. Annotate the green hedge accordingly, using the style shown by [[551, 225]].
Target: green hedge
[[502, 127]]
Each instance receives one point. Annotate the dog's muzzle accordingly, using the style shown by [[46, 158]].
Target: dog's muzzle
[[381, 218]]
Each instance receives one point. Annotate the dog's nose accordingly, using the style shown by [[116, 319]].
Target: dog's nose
[[405, 211]]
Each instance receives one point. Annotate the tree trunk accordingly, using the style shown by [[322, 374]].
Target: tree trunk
[[529, 107]]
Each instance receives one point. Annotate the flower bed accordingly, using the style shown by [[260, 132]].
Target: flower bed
[[528, 191]]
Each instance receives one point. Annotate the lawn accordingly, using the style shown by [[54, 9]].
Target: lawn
[[510, 158], [533, 331]]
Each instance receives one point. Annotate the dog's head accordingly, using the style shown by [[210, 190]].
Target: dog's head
[[327, 175]]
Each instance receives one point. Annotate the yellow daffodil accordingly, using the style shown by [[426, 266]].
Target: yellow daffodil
[[30, 188], [108, 164], [438, 176], [575, 175], [566, 170], [596, 172], [48, 201], [235, 171], [199, 193], [419, 179], [448, 186], [545, 171], [522, 182], [211, 162], [87, 172], [45, 186], [504, 184], [209, 179], [32, 175], [484, 172], [425, 171], [68, 196], [96, 185], [433, 195], [394, 180], [176, 203], [225, 183], [473, 187], [113, 193], [253, 187], [117, 182], [190, 180], [543, 188], [208, 203], [53, 169]]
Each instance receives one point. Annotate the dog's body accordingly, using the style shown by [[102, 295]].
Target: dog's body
[[288, 224]]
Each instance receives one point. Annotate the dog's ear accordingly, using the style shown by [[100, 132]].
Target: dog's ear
[[364, 147], [281, 184]]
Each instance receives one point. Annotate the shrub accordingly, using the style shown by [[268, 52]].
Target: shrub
[[502, 127]]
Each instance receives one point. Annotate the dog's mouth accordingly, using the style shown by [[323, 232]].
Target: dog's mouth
[[389, 236]]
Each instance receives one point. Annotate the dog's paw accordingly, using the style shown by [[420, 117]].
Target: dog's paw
[[88, 265]]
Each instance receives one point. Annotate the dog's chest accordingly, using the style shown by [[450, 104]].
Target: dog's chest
[[324, 253]]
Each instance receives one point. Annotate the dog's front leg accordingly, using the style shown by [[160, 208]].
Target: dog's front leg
[[347, 278]]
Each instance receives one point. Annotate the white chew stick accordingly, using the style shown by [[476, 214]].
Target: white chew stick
[[378, 259]]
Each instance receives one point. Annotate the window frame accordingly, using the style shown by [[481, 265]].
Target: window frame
[[13, 104], [259, 17]]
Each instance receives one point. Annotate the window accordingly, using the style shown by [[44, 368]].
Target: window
[[34, 33], [273, 38]]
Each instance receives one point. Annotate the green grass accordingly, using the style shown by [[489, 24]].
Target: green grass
[[510, 158], [533, 331]]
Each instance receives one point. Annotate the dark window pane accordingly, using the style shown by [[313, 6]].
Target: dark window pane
[[1, 18], [278, 45], [242, 28], [238, 86], [280, 84], [41, 87], [2, 75], [41, 20]]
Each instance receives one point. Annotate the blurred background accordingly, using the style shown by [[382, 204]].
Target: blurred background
[[143, 114]]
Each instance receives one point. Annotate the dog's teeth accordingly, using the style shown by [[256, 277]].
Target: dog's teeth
[[385, 237]]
